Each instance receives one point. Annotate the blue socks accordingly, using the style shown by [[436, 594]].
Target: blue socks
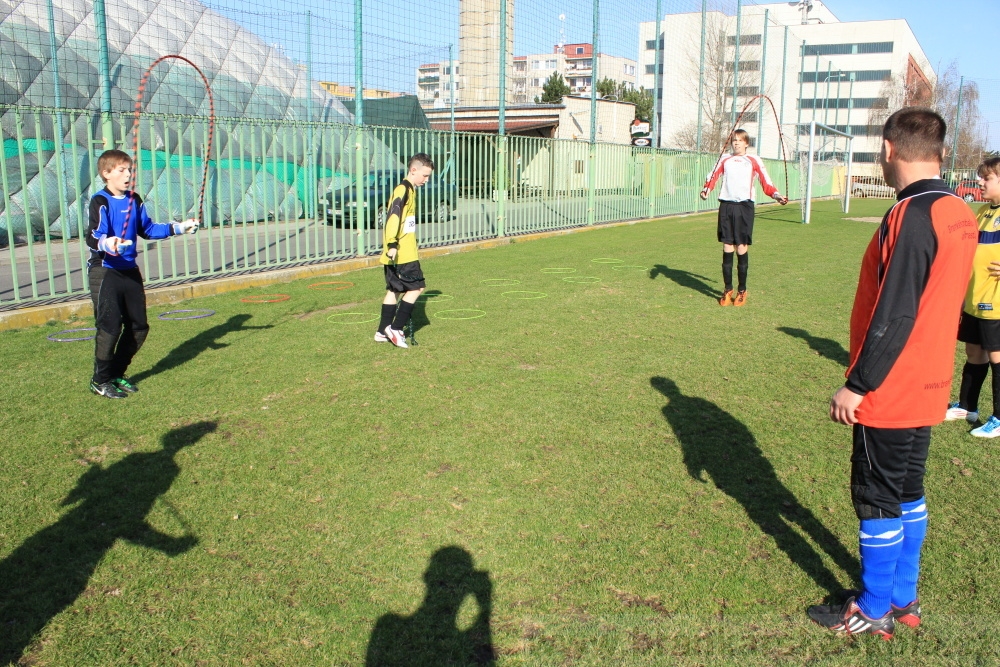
[[904, 585], [881, 543]]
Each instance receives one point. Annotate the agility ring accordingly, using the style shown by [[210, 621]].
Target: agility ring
[[201, 312], [635, 267], [585, 280], [558, 269], [58, 337], [320, 286], [500, 282], [342, 318], [528, 294], [476, 314], [607, 260], [266, 298], [426, 298]]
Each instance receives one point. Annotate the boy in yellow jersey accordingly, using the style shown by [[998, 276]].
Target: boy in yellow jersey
[[403, 276], [980, 325]]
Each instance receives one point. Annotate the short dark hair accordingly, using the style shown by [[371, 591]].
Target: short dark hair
[[916, 134], [111, 159], [420, 158], [741, 134], [989, 166]]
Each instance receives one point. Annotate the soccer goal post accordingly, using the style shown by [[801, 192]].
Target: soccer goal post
[[821, 156]]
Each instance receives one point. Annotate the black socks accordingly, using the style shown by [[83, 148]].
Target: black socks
[[996, 388], [402, 315], [742, 264], [388, 310], [727, 269], [973, 377]]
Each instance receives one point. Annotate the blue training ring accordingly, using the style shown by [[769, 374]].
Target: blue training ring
[[56, 337], [202, 312]]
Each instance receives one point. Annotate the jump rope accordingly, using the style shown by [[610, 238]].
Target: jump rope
[[135, 136], [781, 137]]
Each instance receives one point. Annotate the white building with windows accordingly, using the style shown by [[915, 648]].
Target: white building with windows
[[835, 72], [574, 61]]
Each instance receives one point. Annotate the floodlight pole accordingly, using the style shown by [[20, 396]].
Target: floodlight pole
[[501, 165], [592, 162], [701, 75], [763, 78], [657, 79], [781, 106]]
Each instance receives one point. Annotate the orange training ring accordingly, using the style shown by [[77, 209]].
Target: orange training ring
[[266, 298]]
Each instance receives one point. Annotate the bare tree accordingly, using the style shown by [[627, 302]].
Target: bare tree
[[943, 98], [717, 100]]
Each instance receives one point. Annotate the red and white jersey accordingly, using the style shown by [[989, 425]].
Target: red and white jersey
[[739, 171]]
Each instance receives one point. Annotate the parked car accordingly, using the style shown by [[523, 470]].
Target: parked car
[[871, 186], [969, 191], [435, 200]]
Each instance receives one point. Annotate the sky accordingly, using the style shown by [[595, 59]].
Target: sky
[[401, 34]]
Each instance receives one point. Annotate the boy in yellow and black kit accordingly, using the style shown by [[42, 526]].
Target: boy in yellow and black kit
[[403, 276], [979, 328]]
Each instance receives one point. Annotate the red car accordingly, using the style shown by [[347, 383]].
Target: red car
[[969, 191]]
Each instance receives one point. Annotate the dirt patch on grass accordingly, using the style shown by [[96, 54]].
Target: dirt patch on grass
[[866, 219]]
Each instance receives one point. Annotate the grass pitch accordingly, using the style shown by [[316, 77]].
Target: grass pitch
[[609, 469]]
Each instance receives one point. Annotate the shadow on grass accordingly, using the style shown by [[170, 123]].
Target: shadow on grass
[[430, 636], [824, 347], [47, 573], [715, 442], [192, 347], [791, 213], [685, 279]]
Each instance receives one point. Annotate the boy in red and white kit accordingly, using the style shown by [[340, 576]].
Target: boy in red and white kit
[[736, 211]]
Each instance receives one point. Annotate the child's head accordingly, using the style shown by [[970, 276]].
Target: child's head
[[419, 169], [115, 168], [741, 139], [989, 179]]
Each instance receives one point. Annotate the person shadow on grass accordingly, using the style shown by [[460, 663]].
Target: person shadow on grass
[[686, 279], [52, 568], [192, 347], [824, 347], [431, 636], [715, 442]]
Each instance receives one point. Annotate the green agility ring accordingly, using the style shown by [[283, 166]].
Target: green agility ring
[[583, 279], [524, 294], [464, 314]]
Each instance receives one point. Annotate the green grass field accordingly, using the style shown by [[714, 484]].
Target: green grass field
[[618, 473]]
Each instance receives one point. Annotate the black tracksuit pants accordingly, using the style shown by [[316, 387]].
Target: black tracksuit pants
[[121, 323]]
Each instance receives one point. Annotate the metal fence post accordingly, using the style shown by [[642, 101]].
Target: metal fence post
[[657, 78], [701, 74], [501, 168], [592, 162], [763, 79], [736, 60], [310, 169], [360, 214], [104, 67], [954, 136], [781, 106]]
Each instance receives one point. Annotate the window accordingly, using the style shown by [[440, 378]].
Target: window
[[745, 40], [536, 64], [854, 130], [868, 158], [835, 76], [845, 49], [551, 64], [651, 44], [579, 50], [749, 117], [748, 91], [651, 69], [629, 70], [845, 103], [745, 66]]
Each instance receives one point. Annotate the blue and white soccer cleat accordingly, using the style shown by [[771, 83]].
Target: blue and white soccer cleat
[[956, 411], [991, 429]]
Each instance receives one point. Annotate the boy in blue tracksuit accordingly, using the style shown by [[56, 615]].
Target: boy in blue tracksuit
[[121, 301]]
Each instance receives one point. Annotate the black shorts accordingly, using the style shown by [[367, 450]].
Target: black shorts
[[404, 277], [984, 333], [887, 469], [736, 222]]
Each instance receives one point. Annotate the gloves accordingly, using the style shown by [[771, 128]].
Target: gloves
[[186, 227]]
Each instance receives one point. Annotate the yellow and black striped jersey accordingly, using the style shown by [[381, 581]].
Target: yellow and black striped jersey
[[982, 300], [401, 226]]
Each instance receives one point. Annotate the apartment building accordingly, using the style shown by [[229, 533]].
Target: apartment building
[[812, 66]]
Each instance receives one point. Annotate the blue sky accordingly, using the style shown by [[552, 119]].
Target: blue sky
[[403, 33]]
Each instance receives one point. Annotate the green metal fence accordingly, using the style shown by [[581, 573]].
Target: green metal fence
[[287, 193]]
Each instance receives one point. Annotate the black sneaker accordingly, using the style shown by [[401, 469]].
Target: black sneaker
[[908, 615], [849, 619], [124, 384], [107, 389]]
